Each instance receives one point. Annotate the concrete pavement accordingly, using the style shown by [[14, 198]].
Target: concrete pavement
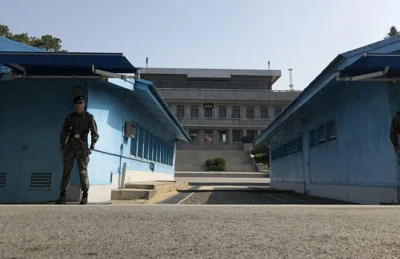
[[187, 231]]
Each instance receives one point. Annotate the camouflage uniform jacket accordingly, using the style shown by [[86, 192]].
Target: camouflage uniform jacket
[[76, 127], [395, 130]]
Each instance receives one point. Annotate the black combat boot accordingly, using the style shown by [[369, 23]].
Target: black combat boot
[[84, 198], [62, 199]]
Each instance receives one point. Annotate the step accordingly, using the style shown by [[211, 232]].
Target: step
[[146, 190], [132, 194], [222, 174], [143, 186]]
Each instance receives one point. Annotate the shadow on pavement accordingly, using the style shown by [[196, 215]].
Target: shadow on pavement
[[241, 197]]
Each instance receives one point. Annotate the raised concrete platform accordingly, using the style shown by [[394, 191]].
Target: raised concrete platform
[[144, 191], [232, 188], [221, 174]]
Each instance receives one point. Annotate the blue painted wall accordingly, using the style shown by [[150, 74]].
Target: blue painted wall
[[32, 112], [111, 108], [361, 153]]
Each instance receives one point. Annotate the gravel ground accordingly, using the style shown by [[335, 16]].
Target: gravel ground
[[242, 197], [188, 231]]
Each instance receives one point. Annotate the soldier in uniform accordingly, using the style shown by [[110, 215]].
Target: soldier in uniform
[[74, 144], [395, 132]]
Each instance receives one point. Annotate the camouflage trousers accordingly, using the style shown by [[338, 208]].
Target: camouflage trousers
[[82, 158]]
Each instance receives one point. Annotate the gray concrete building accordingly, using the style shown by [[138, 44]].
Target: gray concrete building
[[218, 107]]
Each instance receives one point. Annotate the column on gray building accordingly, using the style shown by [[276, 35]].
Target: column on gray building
[[229, 111], [271, 115], [215, 137], [243, 109], [230, 137], [174, 109], [187, 110], [257, 112], [201, 111], [201, 137]]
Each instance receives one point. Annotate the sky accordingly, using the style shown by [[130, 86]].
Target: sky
[[304, 35]]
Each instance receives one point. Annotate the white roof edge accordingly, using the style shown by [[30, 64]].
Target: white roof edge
[[209, 72]]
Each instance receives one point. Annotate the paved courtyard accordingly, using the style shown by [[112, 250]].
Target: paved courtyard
[[204, 231]]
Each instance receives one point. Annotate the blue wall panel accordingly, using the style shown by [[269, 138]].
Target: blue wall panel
[[32, 113], [111, 110], [361, 154]]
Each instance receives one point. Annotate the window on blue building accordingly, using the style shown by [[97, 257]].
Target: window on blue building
[[140, 141], [321, 134], [313, 138], [162, 153], [146, 144], [158, 150], [300, 143], [151, 146], [134, 144], [331, 130]]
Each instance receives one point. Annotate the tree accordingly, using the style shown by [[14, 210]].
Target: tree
[[392, 32], [46, 42]]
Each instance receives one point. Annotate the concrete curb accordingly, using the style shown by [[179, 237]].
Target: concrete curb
[[230, 189], [223, 175]]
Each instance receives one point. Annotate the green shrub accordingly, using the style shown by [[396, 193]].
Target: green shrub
[[247, 139], [212, 168], [221, 167], [220, 161], [210, 161]]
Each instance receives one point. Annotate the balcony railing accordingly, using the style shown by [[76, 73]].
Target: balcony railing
[[224, 122], [227, 94]]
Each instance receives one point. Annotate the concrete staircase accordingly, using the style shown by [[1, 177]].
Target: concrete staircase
[[194, 159], [145, 191]]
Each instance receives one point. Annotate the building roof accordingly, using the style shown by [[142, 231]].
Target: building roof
[[69, 64], [342, 61], [10, 45], [59, 63], [212, 73]]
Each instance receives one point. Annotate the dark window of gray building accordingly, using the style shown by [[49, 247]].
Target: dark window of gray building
[[194, 111], [180, 111], [264, 112], [251, 134], [194, 136], [208, 137], [236, 112], [250, 112], [222, 112], [208, 113], [223, 137], [237, 135], [277, 111]]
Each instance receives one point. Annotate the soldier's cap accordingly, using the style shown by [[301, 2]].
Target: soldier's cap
[[79, 99]]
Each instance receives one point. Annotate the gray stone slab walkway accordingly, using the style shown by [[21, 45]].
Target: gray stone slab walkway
[[186, 231]]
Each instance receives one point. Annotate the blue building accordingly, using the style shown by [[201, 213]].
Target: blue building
[[136, 127], [333, 140]]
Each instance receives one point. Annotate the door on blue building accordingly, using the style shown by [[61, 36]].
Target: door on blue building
[[306, 161], [11, 139], [41, 162]]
